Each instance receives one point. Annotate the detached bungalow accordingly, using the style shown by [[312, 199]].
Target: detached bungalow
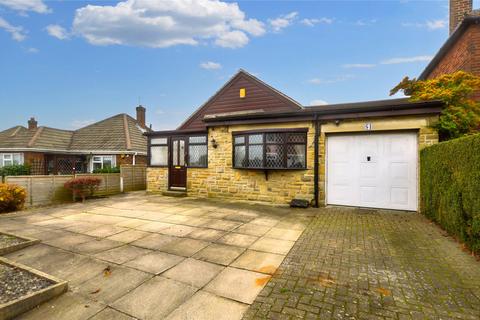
[[107, 143], [250, 141]]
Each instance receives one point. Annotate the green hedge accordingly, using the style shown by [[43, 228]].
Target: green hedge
[[15, 170], [107, 170], [450, 187]]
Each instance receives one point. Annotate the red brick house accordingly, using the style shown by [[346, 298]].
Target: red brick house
[[108, 143], [461, 51]]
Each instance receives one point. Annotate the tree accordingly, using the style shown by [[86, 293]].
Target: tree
[[461, 115]]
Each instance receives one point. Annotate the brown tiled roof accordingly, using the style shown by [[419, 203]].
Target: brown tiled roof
[[120, 133]]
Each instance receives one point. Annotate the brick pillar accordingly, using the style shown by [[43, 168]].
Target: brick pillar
[[458, 10], [141, 111]]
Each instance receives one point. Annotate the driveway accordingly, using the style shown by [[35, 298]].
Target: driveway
[[153, 257], [365, 264]]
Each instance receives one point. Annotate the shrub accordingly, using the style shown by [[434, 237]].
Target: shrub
[[83, 187], [450, 187], [15, 170], [12, 197], [107, 170]]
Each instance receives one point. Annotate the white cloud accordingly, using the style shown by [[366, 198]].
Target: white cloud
[[429, 24], [210, 65], [282, 21], [314, 21], [331, 80], [160, 24], [358, 65], [77, 124], [318, 102], [37, 6], [407, 60], [57, 31], [17, 32], [32, 50]]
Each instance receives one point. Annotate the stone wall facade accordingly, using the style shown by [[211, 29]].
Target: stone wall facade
[[221, 180]]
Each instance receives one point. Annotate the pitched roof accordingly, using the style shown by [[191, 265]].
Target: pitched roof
[[451, 41], [260, 96], [120, 133]]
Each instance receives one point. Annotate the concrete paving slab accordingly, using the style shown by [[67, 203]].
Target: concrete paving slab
[[176, 218], [269, 222], [238, 239], [154, 241], [207, 306], [253, 229], [193, 272], [105, 231], [219, 253], [284, 234], [111, 314], [154, 226], [184, 247], [69, 242], [196, 222], [263, 262], [272, 245], [153, 216], [195, 212], [155, 299], [222, 225], [241, 217], [95, 246], [122, 254], [83, 227], [206, 234], [110, 285], [129, 236], [83, 270], [237, 284], [177, 230], [132, 223], [155, 262], [292, 225], [68, 306]]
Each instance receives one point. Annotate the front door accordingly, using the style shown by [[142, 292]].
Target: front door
[[178, 167]]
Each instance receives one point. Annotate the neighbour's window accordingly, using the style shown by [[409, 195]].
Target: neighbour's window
[[270, 150], [198, 151], [9, 159], [159, 151], [100, 162]]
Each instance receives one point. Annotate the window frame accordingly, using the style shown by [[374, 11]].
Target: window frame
[[264, 132], [196, 144], [102, 156], [12, 159], [149, 150]]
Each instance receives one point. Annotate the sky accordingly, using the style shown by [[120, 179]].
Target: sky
[[71, 63]]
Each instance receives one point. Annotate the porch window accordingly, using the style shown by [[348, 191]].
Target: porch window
[[198, 151], [9, 159], [100, 162], [158, 151], [282, 149]]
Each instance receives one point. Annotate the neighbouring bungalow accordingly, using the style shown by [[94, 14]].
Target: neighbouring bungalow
[[108, 143], [251, 142]]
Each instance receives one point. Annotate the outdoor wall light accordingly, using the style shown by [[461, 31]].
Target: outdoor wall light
[[337, 122], [214, 143]]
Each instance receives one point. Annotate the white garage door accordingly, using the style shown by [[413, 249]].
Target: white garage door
[[373, 170]]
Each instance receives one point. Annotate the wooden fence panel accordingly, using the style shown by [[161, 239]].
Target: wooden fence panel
[[134, 177]]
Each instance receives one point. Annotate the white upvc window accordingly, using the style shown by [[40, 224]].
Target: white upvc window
[[100, 162], [9, 159]]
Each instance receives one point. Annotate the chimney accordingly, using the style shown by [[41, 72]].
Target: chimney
[[141, 116], [32, 124], [458, 10]]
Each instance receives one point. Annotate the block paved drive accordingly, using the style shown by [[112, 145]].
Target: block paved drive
[[152, 257], [364, 264]]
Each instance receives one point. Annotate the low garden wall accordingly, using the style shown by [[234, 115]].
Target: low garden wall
[[47, 189], [450, 187]]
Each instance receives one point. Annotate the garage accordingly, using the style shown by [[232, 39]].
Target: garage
[[374, 170]]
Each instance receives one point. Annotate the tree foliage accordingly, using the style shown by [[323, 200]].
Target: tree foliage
[[461, 115]]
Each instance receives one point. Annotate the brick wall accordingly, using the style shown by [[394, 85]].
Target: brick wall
[[220, 180], [464, 55]]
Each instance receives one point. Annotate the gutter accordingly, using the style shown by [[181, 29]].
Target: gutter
[[316, 163], [106, 152]]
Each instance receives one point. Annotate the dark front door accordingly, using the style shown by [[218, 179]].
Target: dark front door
[[178, 166]]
